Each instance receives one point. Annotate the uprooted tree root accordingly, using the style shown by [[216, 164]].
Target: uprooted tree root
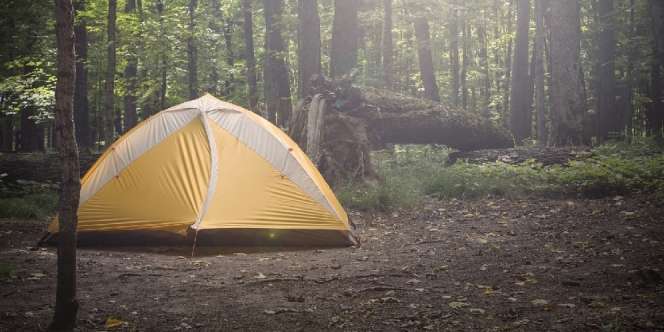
[[355, 121]]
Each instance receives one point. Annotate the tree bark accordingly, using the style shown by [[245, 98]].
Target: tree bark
[[485, 89], [540, 96], [66, 304], [230, 55], [610, 120], [163, 59], [249, 57], [192, 51], [81, 105], [655, 111], [520, 112], [32, 134], [507, 82], [130, 72], [345, 38], [109, 85], [276, 80], [427, 72], [454, 55], [567, 89], [388, 47], [465, 61], [359, 120], [308, 44]]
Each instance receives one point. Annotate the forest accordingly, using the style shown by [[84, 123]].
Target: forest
[[351, 165]]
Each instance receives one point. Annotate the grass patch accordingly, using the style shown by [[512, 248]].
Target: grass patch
[[32, 206], [411, 172]]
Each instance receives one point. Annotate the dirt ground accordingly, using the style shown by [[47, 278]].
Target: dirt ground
[[529, 265]]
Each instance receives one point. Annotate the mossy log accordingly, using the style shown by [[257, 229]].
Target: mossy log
[[358, 120]]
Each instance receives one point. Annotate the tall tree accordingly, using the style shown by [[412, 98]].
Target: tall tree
[[66, 304], [388, 48], [509, 19], [454, 53], [345, 38], [422, 34], [130, 72], [610, 120], [485, 88], [539, 72], [655, 112], [567, 91], [277, 86], [249, 57], [308, 44], [163, 58], [520, 102], [81, 105], [192, 69], [109, 85], [465, 61]]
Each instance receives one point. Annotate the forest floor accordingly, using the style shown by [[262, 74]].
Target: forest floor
[[519, 264]]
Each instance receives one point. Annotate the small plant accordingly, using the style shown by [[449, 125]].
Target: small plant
[[409, 173]]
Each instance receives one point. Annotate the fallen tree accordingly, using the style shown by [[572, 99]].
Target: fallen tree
[[340, 124]]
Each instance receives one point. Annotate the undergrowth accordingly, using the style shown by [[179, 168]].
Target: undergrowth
[[27, 200], [411, 172]]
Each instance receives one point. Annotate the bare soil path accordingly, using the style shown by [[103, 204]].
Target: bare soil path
[[530, 265]]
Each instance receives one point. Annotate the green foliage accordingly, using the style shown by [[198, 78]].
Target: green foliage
[[614, 169], [408, 173], [33, 206], [404, 170]]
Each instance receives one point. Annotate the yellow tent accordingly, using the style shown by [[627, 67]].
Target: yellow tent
[[209, 165]]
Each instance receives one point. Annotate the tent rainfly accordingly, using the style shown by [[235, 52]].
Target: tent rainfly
[[209, 165]]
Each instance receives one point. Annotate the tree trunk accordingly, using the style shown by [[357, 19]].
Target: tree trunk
[[388, 48], [308, 44], [81, 105], [655, 111], [192, 51], [345, 38], [250, 59], [131, 70], [163, 59], [66, 304], [230, 56], [507, 83], [276, 80], [465, 61], [540, 97], [632, 55], [359, 120], [6, 133], [520, 113], [216, 25], [567, 89], [427, 72], [454, 56], [610, 120], [485, 89], [109, 86], [31, 134]]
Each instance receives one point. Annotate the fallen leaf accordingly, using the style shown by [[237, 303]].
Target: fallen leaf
[[113, 323]]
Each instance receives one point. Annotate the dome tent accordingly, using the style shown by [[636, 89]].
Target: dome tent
[[209, 165]]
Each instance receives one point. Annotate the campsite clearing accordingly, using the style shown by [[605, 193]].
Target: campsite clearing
[[452, 265]]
